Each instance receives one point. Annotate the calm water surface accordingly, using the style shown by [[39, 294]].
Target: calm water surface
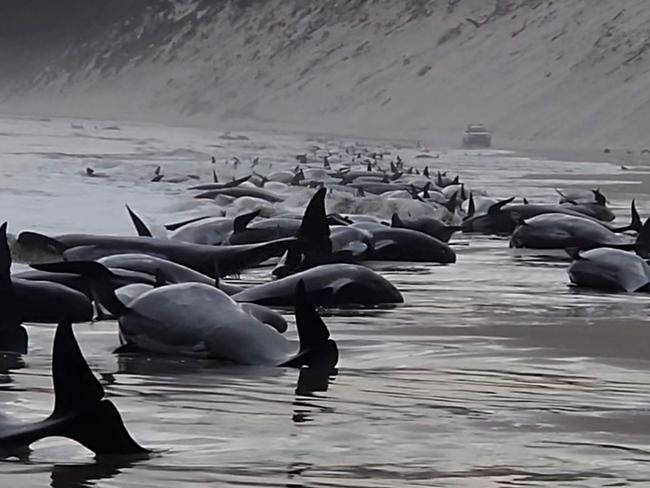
[[494, 373]]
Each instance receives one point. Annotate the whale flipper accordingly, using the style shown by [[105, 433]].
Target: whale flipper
[[316, 347]]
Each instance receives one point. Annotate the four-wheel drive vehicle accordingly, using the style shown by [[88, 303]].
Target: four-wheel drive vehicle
[[476, 135]]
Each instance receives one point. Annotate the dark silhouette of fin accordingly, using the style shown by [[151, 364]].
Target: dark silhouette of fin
[[253, 255], [241, 221], [94, 423], [289, 263], [98, 275], [452, 203], [599, 197], [236, 182], [297, 178], [471, 208], [426, 172], [316, 347], [80, 412], [642, 245], [313, 236], [425, 190], [395, 221], [140, 227], [496, 208], [215, 178], [13, 336], [178, 225], [635, 221]]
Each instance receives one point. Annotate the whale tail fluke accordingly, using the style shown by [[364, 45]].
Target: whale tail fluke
[[317, 349], [89, 419]]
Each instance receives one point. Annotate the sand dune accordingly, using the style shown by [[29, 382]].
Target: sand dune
[[559, 74]]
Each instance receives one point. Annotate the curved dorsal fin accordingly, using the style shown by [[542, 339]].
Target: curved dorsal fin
[[452, 203], [13, 337], [140, 227], [496, 208], [317, 350], [395, 221], [471, 208], [600, 198], [240, 222], [313, 236], [215, 178]]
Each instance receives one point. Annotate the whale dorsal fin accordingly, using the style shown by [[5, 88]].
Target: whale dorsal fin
[[13, 337], [313, 236], [599, 197], [496, 208], [93, 422], [215, 178], [140, 227], [241, 221], [395, 221], [316, 347], [75, 386], [642, 244], [471, 208], [178, 225]]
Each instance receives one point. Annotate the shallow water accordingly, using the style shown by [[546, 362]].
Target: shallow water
[[493, 373]]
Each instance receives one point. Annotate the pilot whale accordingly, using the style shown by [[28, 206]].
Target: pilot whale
[[24, 300], [202, 258]]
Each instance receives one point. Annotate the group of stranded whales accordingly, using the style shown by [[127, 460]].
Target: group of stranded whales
[[165, 286]]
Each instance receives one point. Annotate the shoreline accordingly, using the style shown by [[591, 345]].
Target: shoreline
[[548, 150]]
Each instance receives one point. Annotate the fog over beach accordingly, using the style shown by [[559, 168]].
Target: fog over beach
[[569, 74]]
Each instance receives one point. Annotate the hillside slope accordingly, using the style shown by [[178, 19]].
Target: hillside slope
[[565, 73]]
